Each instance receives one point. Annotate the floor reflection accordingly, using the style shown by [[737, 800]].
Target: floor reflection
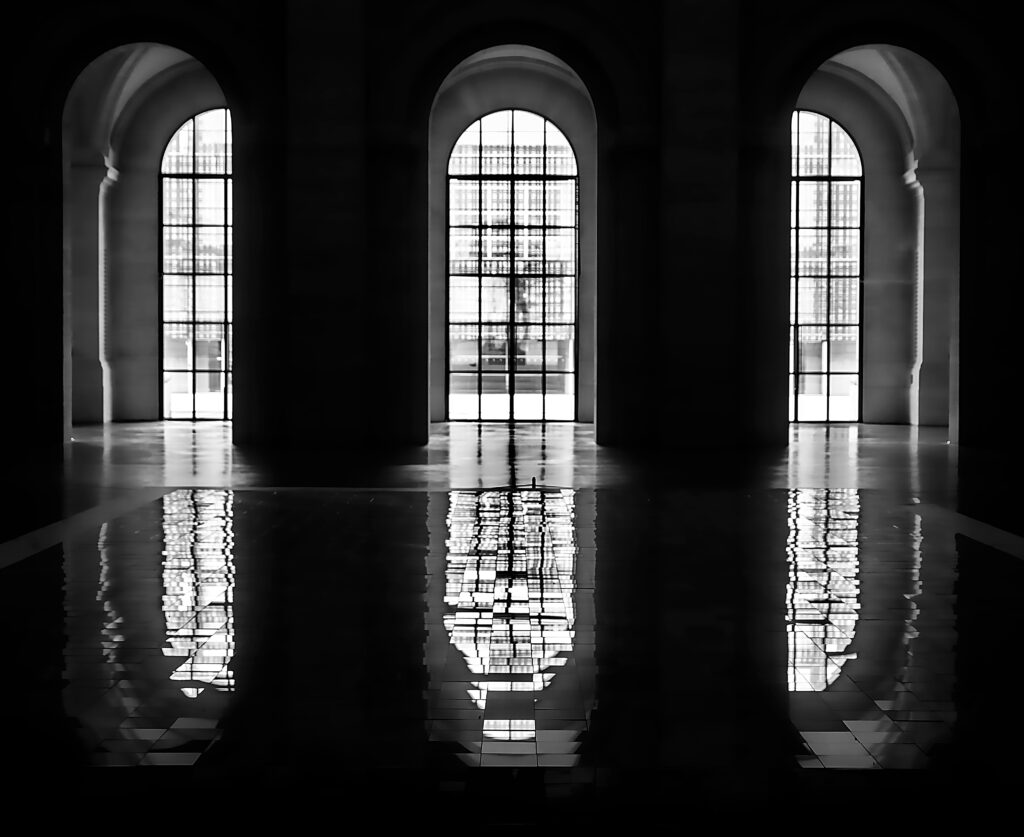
[[518, 691], [823, 587], [871, 622], [149, 622], [198, 574], [456, 629]]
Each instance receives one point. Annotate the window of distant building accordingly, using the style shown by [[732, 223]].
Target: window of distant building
[[512, 271], [195, 180], [826, 239]]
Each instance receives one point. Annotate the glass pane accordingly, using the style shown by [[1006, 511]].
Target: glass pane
[[810, 349], [844, 349], [463, 299], [559, 348], [210, 195], [811, 403], [494, 348], [529, 299], [495, 401], [178, 395], [529, 203], [496, 136], [845, 159], [494, 306], [811, 299], [528, 133], [529, 399], [210, 301], [812, 144], [177, 297], [529, 251], [560, 157], [211, 249], [495, 251], [813, 204], [465, 156], [177, 200], [463, 251], [846, 204], [792, 398], [229, 398], [178, 154], [843, 398], [561, 252], [177, 250], [560, 207], [496, 202], [463, 400], [794, 143], [211, 141], [463, 202], [209, 346], [560, 398], [529, 349], [178, 346], [228, 147], [844, 300], [209, 396], [845, 256], [463, 348], [812, 252], [560, 299]]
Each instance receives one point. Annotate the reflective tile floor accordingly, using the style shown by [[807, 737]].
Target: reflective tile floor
[[508, 629]]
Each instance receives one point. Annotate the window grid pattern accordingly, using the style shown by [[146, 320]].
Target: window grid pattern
[[826, 246], [199, 584], [823, 589], [196, 269], [509, 596], [512, 271]]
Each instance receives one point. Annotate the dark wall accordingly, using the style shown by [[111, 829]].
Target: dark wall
[[330, 104]]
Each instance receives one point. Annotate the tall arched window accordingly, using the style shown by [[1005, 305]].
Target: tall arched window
[[195, 181], [512, 271], [825, 272]]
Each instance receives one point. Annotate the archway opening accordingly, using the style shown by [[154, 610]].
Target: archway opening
[[900, 114], [120, 114], [512, 242]]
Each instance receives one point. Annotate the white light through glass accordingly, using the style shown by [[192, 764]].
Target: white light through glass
[[512, 271], [509, 611], [822, 593], [199, 576]]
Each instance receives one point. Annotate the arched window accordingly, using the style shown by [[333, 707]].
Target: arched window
[[512, 271], [826, 229], [195, 190]]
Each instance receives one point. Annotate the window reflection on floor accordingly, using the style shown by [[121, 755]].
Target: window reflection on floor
[[198, 576], [871, 637], [823, 589], [509, 608]]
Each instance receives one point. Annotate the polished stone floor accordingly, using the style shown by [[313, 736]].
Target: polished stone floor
[[510, 627]]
